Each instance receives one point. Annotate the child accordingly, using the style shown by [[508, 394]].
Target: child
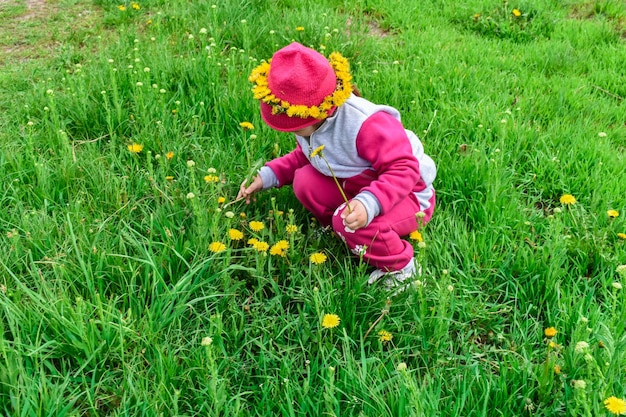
[[381, 167]]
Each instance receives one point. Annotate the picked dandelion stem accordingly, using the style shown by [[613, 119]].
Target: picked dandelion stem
[[318, 152]]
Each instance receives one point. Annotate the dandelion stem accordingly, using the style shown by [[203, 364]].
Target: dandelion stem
[[343, 194]]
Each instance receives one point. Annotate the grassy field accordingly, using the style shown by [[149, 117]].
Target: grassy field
[[128, 282]]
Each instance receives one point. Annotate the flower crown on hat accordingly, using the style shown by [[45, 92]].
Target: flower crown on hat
[[337, 98]]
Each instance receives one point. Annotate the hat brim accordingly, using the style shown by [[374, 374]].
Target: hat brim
[[284, 123]]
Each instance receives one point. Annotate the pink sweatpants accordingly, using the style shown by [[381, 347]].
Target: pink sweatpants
[[380, 243]]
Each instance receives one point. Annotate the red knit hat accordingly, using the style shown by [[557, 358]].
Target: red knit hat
[[299, 87]]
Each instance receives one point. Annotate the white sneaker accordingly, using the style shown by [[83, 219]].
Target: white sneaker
[[395, 280]]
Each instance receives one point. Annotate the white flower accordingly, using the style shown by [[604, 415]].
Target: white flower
[[621, 269], [421, 245], [111, 61], [229, 214], [139, 84], [450, 288], [190, 36], [50, 92], [401, 367], [162, 91], [190, 196], [191, 163], [203, 31], [359, 250], [146, 69], [207, 341], [211, 170], [581, 347], [616, 285], [579, 384], [602, 134]]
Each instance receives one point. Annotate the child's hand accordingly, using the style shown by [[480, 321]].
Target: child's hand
[[246, 192], [357, 218]]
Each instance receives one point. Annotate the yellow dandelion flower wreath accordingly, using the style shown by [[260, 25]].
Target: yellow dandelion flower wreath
[[342, 92]]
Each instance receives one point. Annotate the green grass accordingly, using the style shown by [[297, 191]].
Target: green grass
[[108, 286]]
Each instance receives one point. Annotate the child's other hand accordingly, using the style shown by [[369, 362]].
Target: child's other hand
[[246, 192], [357, 218]]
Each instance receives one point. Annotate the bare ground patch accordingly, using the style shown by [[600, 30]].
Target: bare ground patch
[[34, 29]]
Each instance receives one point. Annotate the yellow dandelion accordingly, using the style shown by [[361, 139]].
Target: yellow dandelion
[[135, 6], [317, 151], [615, 405], [256, 226], [330, 321], [253, 241], [550, 332], [317, 258], [169, 155], [282, 244], [246, 125], [211, 178], [516, 13], [277, 251], [169, 178], [557, 369], [291, 228], [121, 7], [567, 199], [612, 213], [235, 234], [300, 28], [135, 147], [221, 200], [242, 215], [261, 246], [216, 247], [622, 235], [384, 336], [416, 235]]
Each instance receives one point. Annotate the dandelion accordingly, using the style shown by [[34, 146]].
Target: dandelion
[[330, 321], [615, 405], [557, 369], [317, 258], [221, 200], [211, 178], [622, 235], [256, 226], [291, 229], [516, 13], [300, 28], [317, 151], [279, 248], [122, 7], [567, 199], [206, 341], [261, 246], [612, 213], [416, 235], [135, 147], [135, 6], [253, 241], [384, 336], [235, 234], [169, 177], [217, 247], [246, 125], [550, 332], [169, 155]]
